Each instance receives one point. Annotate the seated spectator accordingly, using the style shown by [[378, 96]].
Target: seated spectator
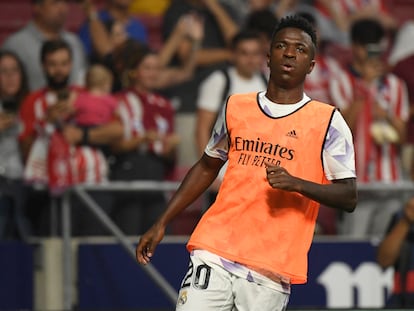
[[13, 89], [44, 113], [48, 22], [117, 11], [147, 150]]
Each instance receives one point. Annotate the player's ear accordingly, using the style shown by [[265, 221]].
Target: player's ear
[[311, 66], [268, 59]]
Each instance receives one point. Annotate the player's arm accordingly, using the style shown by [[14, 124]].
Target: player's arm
[[340, 194], [339, 167], [197, 180]]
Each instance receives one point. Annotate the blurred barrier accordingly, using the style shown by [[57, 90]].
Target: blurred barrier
[[404, 189]]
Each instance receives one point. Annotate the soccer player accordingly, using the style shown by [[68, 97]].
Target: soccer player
[[286, 154]]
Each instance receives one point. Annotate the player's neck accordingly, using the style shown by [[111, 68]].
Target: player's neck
[[284, 96]]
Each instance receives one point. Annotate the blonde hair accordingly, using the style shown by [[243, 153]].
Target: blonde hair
[[98, 76]]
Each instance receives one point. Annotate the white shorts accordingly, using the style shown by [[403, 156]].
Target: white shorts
[[209, 287]]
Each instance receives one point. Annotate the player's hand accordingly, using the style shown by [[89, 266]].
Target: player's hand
[[148, 242], [279, 178]]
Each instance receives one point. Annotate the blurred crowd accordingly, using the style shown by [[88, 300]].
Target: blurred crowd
[[100, 104]]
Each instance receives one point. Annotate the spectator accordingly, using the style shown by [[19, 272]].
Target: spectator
[[402, 61], [263, 22], [42, 113], [95, 106], [13, 88], [396, 250], [220, 28], [49, 18], [244, 75], [115, 12], [376, 108], [147, 151], [337, 17]]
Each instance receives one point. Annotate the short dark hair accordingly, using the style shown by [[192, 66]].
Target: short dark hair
[[367, 31], [309, 17], [244, 35], [51, 46], [296, 21]]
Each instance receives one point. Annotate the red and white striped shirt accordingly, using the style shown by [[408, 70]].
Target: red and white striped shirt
[[141, 112], [375, 163], [89, 164], [321, 82], [351, 6]]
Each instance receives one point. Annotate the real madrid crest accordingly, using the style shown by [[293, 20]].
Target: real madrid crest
[[183, 298]]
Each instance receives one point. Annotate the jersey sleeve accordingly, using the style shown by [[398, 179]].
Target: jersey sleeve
[[338, 153], [218, 145]]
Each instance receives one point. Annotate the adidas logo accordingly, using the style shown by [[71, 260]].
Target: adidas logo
[[292, 133]]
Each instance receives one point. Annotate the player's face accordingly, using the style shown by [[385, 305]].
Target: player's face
[[291, 57], [248, 57], [57, 67], [10, 76]]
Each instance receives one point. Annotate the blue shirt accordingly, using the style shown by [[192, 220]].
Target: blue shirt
[[134, 28]]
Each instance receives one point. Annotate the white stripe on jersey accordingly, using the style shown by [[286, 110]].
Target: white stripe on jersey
[[126, 120], [39, 109], [135, 111]]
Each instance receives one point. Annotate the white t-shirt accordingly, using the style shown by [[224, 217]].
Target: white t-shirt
[[338, 151], [212, 88]]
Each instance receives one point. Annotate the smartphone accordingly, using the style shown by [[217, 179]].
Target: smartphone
[[63, 95]]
